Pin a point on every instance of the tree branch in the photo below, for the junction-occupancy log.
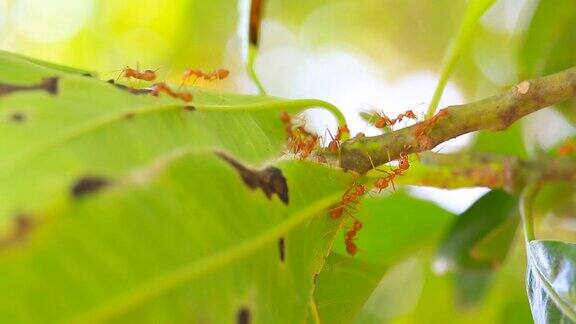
(494, 113)
(484, 170)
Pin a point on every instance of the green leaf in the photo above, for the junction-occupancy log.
(547, 46)
(394, 228)
(481, 237)
(475, 10)
(343, 287)
(510, 141)
(548, 43)
(41, 64)
(551, 280)
(88, 125)
(471, 287)
(134, 208)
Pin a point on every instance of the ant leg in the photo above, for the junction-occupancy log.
(324, 135)
(119, 76)
(375, 168)
(185, 80)
(392, 182)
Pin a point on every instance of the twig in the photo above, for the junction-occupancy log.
(494, 113)
(485, 170)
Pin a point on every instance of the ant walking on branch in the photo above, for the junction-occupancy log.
(384, 121)
(334, 145)
(383, 182)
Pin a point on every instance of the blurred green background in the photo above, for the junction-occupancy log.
(358, 54)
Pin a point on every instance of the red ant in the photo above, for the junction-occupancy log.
(403, 164)
(407, 114)
(163, 87)
(351, 247)
(422, 128)
(287, 121)
(384, 182)
(186, 96)
(189, 73)
(567, 148)
(334, 145)
(300, 141)
(348, 198)
(309, 145)
(147, 75)
(384, 121)
(297, 138)
(219, 74)
(286, 118)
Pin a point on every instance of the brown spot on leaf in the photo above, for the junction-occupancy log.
(88, 75)
(87, 185)
(20, 230)
(49, 85)
(17, 117)
(129, 89)
(189, 108)
(243, 316)
(270, 180)
(129, 115)
(282, 249)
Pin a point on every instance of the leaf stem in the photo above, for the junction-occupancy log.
(459, 170)
(252, 53)
(288, 105)
(526, 208)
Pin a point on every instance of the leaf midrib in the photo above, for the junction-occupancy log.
(559, 301)
(159, 285)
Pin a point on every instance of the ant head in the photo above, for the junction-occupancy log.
(285, 117)
(410, 114)
(404, 163)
